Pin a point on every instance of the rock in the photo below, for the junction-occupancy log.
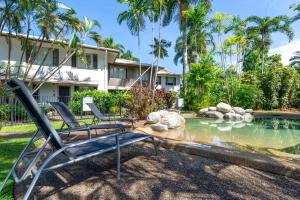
(214, 114)
(224, 128)
(212, 108)
(172, 120)
(163, 112)
(248, 117)
(239, 125)
(153, 118)
(203, 111)
(234, 117)
(239, 110)
(249, 111)
(224, 108)
(159, 127)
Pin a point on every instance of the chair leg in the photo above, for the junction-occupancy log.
(155, 146)
(118, 158)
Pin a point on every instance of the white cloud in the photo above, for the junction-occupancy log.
(286, 51)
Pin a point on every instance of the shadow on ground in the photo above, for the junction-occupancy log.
(170, 175)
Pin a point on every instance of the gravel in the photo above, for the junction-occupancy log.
(170, 175)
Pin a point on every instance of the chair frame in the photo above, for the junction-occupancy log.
(52, 139)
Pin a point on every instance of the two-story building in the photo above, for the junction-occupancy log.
(124, 73)
(103, 70)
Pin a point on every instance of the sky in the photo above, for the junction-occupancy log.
(106, 12)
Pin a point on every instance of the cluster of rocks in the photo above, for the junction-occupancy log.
(163, 120)
(226, 111)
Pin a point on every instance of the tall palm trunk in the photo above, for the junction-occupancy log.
(153, 56)
(182, 7)
(263, 54)
(159, 40)
(140, 58)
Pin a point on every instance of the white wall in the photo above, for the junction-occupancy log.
(173, 88)
(95, 77)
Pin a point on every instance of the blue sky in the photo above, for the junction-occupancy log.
(106, 12)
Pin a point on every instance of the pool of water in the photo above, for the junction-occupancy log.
(270, 136)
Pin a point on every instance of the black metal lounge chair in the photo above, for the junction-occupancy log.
(98, 116)
(73, 125)
(53, 146)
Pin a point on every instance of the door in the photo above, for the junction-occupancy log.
(64, 94)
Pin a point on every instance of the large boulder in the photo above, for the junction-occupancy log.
(172, 120)
(248, 117)
(249, 111)
(239, 110)
(212, 108)
(203, 111)
(214, 114)
(153, 118)
(159, 127)
(224, 108)
(234, 117)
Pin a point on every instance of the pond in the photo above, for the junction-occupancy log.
(275, 137)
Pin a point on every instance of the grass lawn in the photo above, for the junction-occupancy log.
(30, 128)
(9, 151)
(11, 148)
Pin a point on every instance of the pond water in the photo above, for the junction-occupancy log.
(269, 136)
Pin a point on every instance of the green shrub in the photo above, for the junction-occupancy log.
(106, 102)
(103, 100)
(245, 96)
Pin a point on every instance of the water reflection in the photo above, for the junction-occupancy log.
(269, 135)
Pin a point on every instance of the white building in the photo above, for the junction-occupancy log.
(103, 72)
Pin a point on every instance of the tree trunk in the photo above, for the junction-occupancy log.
(140, 57)
(159, 40)
(152, 65)
(182, 7)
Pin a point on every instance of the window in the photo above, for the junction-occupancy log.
(91, 62)
(41, 55)
(55, 57)
(118, 72)
(74, 61)
(146, 76)
(95, 61)
(170, 80)
(158, 82)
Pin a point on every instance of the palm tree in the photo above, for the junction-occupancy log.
(218, 23)
(197, 24)
(135, 21)
(239, 29)
(129, 56)
(295, 60)
(177, 8)
(264, 27)
(162, 45)
(295, 7)
(110, 43)
(159, 50)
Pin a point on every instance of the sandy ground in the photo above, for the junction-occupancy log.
(170, 175)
